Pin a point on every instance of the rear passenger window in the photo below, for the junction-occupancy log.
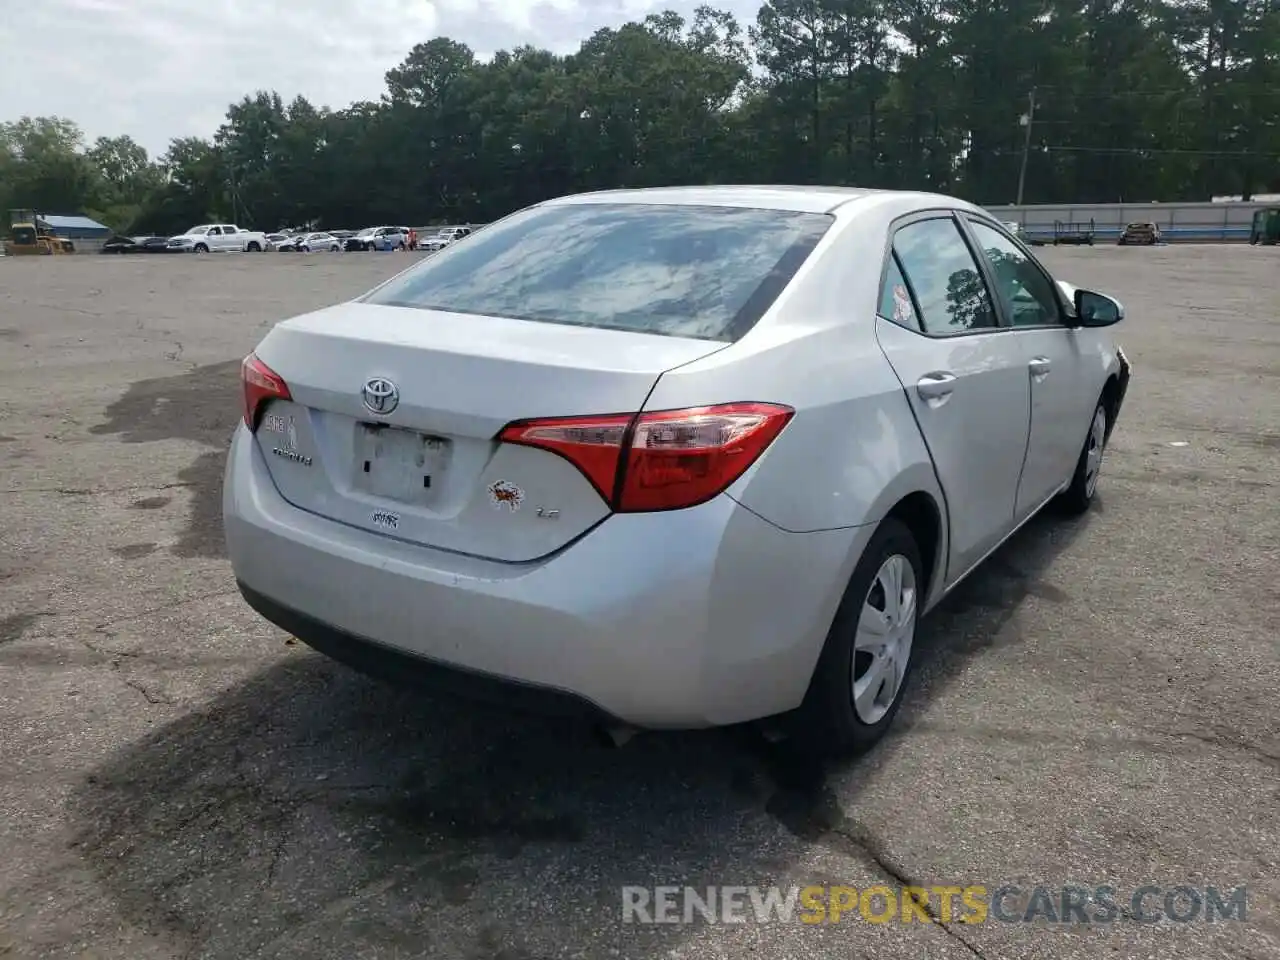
(895, 298)
(949, 289)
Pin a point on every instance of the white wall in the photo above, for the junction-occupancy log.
(1177, 221)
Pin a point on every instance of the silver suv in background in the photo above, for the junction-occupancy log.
(378, 238)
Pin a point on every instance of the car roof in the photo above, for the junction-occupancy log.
(799, 199)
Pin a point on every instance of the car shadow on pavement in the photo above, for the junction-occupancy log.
(312, 812)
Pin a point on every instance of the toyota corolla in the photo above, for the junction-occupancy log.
(675, 458)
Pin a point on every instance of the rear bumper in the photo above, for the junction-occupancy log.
(399, 667)
(691, 618)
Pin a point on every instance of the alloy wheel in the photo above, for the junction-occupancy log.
(882, 644)
(1093, 452)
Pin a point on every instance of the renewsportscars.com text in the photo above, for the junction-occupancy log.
(959, 904)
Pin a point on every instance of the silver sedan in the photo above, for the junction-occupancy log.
(672, 458)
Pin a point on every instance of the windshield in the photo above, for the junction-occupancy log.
(367, 232)
(195, 231)
(685, 271)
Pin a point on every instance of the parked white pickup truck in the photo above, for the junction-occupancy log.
(215, 237)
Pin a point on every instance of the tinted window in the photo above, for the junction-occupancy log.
(895, 298)
(1027, 294)
(949, 289)
(687, 271)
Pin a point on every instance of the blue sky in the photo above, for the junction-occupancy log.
(158, 69)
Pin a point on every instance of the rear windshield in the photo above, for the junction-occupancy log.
(682, 271)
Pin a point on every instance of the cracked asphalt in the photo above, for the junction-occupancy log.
(1097, 705)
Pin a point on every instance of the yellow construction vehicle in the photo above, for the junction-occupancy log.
(31, 235)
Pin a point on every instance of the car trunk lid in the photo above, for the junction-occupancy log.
(415, 455)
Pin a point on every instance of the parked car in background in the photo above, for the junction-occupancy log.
(219, 237)
(379, 238)
(119, 245)
(309, 242)
(443, 238)
(1134, 234)
(275, 239)
(836, 402)
(362, 240)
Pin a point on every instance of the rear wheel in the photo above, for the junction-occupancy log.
(1084, 482)
(858, 684)
(254, 247)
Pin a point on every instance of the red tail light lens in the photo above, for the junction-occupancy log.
(260, 384)
(664, 460)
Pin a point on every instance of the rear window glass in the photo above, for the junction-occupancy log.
(682, 271)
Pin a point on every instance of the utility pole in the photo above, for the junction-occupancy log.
(1026, 120)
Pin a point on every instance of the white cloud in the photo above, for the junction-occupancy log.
(159, 69)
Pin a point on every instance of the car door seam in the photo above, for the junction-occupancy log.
(924, 439)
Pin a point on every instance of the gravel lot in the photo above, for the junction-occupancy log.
(1096, 705)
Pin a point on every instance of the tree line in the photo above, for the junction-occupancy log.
(1063, 100)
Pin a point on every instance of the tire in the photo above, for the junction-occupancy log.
(302, 249)
(1077, 498)
(200, 248)
(253, 247)
(335, 248)
(830, 722)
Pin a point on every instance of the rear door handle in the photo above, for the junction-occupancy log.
(1040, 367)
(936, 386)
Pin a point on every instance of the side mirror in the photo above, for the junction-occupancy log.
(1097, 309)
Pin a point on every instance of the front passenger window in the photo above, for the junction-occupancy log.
(1027, 294)
(949, 289)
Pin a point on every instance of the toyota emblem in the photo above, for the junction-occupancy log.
(380, 395)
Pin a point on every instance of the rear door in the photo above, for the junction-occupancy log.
(964, 376)
(1057, 359)
(230, 239)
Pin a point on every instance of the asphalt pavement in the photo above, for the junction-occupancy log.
(1096, 706)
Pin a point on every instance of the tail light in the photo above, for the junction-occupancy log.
(260, 384)
(663, 460)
